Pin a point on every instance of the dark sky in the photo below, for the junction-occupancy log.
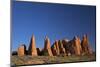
(57, 21)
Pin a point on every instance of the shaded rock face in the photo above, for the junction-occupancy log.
(72, 47)
(32, 48)
(55, 48)
(68, 47)
(14, 53)
(65, 45)
(61, 48)
(86, 49)
(47, 47)
(21, 50)
(38, 51)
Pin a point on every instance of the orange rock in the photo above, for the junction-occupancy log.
(61, 48)
(65, 45)
(85, 45)
(73, 47)
(69, 47)
(55, 48)
(21, 50)
(77, 46)
(47, 47)
(32, 48)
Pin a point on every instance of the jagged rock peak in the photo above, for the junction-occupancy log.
(47, 43)
(47, 47)
(32, 47)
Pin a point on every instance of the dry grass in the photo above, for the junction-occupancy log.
(26, 60)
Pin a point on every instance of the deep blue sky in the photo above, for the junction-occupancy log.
(57, 21)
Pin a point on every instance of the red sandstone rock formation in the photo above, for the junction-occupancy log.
(85, 45)
(61, 48)
(69, 47)
(55, 48)
(47, 47)
(77, 46)
(21, 50)
(65, 45)
(32, 48)
(73, 47)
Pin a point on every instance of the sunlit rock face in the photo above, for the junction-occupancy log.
(59, 47)
(77, 45)
(32, 47)
(47, 47)
(86, 49)
(62, 47)
(21, 50)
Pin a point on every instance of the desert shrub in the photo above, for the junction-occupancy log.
(45, 53)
